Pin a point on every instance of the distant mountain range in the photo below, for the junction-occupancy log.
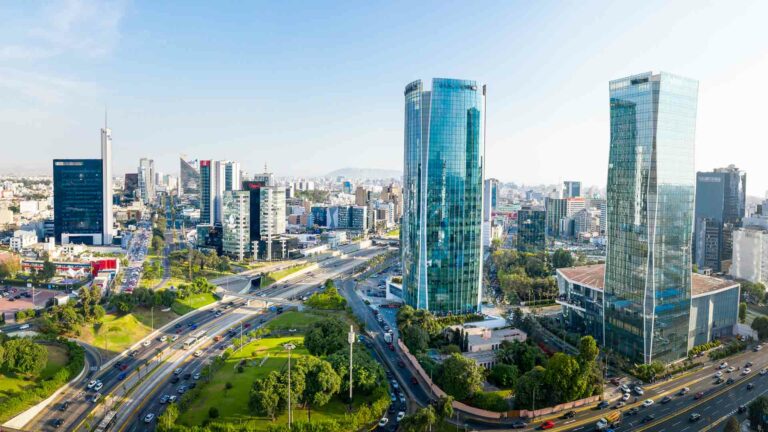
(365, 173)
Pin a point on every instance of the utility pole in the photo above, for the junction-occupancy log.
(351, 340)
(152, 311)
(289, 347)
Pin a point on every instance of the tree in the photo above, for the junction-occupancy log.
(166, 422)
(227, 387)
(732, 425)
(421, 421)
(321, 383)
(23, 356)
(9, 266)
(529, 391)
(760, 325)
(588, 350)
(366, 373)
(266, 394)
(416, 339)
(562, 258)
(460, 377)
(213, 412)
(758, 410)
(444, 409)
(564, 378)
(504, 375)
(49, 270)
(326, 337)
(742, 312)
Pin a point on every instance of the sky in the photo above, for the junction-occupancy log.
(310, 87)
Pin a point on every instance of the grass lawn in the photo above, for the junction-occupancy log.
(195, 301)
(114, 334)
(233, 404)
(293, 319)
(57, 359)
(273, 277)
(394, 233)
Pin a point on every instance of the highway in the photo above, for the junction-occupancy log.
(148, 393)
(715, 401)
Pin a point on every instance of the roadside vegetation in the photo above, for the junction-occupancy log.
(328, 299)
(272, 277)
(191, 264)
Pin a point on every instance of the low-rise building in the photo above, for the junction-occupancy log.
(713, 313)
(22, 239)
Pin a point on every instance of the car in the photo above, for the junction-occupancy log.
(647, 402)
(123, 367)
(694, 417)
(177, 325)
(698, 395)
(666, 399)
(401, 364)
(146, 343)
(64, 405)
(730, 381)
(750, 386)
(569, 414)
(175, 379)
(383, 422)
(122, 376)
(549, 424)
(748, 364)
(625, 388)
(719, 374)
(603, 405)
(91, 384)
(518, 424)
(649, 418)
(148, 418)
(625, 397)
(414, 380)
(683, 391)
(198, 353)
(619, 404)
(57, 422)
(177, 371)
(164, 398)
(639, 390)
(391, 409)
(763, 371)
(730, 369)
(746, 371)
(723, 365)
(98, 386)
(196, 376)
(174, 338)
(393, 398)
(719, 381)
(172, 398)
(96, 397)
(192, 385)
(757, 348)
(181, 390)
(633, 410)
(400, 416)
(402, 398)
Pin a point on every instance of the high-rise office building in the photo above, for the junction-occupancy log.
(720, 207)
(213, 183)
(236, 224)
(147, 180)
(106, 172)
(443, 195)
(130, 185)
(650, 204)
(189, 176)
(571, 189)
(231, 176)
(206, 188)
(531, 230)
(78, 201)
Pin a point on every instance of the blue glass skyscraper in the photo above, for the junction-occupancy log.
(650, 203)
(443, 195)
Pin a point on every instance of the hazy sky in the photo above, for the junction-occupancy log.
(309, 87)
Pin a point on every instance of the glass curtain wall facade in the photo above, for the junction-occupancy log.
(531, 230)
(443, 195)
(190, 177)
(206, 188)
(77, 199)
(650, 200)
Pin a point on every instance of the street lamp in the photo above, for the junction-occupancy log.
(289, 347)
(351, 340)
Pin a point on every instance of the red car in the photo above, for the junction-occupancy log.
(698, 395)
(123, 367)
(413, 380)
(549, 424)
(401, 364)
(391, 347)
(246, 325)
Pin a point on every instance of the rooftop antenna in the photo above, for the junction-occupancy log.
(265, 167)
(105, 117)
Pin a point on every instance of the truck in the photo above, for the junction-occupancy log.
(388, 337)
(612, 419)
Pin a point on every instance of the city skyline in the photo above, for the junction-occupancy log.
(59, 106)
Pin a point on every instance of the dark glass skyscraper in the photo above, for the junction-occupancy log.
(650, 203)
(189, 176)
(720, 206)
(531, 230)
(78, 197)
(443, 194)
(206, 184)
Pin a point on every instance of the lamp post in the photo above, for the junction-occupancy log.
(289, 347)
(351, 340)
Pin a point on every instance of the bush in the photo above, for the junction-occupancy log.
(489, 401)
(213, 413)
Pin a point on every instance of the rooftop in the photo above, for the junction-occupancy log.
(593, 276)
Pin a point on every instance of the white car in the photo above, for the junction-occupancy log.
(723, 365)
(163, 338)
(91, 384)
(639, 390)
(731, 369)
(647, 402)
(148, 418)
(146, 343)
(400, 416)
(383, 422)
(96, 397)
(763, 371)
(198, 353)
(625, 397)
(746, 371)
(98, 386)
(175, 338)
(719, 374)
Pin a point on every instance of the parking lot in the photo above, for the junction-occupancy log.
(13, 299)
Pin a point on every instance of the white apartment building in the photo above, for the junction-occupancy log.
(750, 254)
(23, 239)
